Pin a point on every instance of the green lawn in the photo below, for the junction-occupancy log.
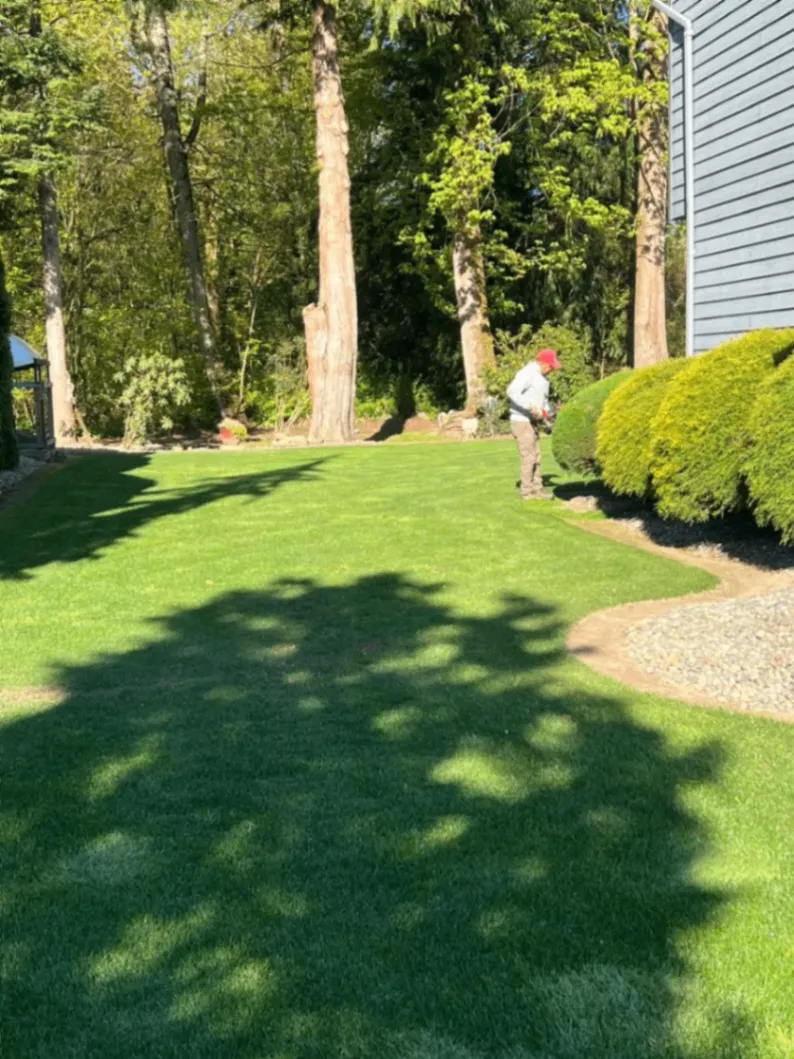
(321, 781)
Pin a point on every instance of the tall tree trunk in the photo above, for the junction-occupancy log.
(176, 154)
(62, 389)
(332, 324)
(650, 324)
(9, 449)
(475, 332)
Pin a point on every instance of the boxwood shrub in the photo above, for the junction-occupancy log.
(770, 462)
(701, 434)
(623, 448)
(574, 438)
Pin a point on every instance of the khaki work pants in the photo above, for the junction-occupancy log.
(527, 438)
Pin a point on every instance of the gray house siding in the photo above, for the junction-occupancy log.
(743, 163)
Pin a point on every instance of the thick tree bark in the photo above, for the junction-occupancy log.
(332, 324)
(475, 332)
(650, 323)
(176, 154)
(9, 449)
(64, 419)
(62, 390)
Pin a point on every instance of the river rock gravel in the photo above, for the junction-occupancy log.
(739, 651)
(10, 479)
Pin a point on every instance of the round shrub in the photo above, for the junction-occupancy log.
(623, 447)
(701, 436)
(770, 463)
(574, 438)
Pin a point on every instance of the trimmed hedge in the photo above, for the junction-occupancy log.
(770, 463)
(574, 438)
(9, 450)
(623, 447)
(701, 436)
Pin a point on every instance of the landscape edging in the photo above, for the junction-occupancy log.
(599, 640)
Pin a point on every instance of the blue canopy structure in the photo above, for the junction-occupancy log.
(37, 391)
(23, 355)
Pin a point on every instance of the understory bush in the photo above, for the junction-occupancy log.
(701, 433)
(770, 463)
(402, 396)
(154, 387)
(574, 437)
(513, 351)
(623, 448)
(273, 386)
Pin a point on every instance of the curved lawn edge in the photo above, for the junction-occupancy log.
(599, 640)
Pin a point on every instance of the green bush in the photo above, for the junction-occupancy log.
(623, 448)
(276, 393)
(514, 351)
(770, 463)
(700, 435)
(154, 385)
(574, 438)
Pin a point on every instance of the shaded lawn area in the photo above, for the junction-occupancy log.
(321, 781)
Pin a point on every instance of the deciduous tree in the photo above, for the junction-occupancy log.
(151, 34)
(648, 37)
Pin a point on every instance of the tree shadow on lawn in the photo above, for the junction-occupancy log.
(390, 428)
(96, 501)
(346, 821)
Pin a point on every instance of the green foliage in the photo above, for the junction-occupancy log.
(459, 176)
(675, 290)
(769, 466)
(374, 398)
(9, 450)
(272, 383)
(701, 435)
(574, 437)
(381, 398)
(450, 129)
(154, 387)
(24, 410)
(44, 104)
(623, 448)
(425, 403)
(513, 351)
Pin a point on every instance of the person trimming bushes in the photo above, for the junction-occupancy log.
(528, 395)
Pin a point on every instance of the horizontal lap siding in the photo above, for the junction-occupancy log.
(744, 163)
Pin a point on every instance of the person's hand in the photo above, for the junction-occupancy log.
(535, 414)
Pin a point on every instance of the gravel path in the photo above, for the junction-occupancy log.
(10, 479)
(738, 650)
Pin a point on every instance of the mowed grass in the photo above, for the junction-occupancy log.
(318, 779)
